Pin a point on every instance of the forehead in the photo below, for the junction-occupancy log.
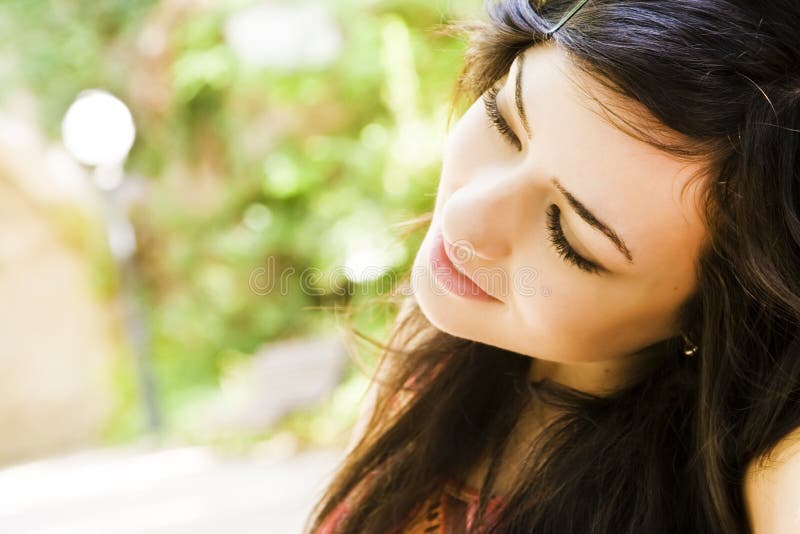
(631, 185)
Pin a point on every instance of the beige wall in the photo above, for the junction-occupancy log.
(55, 335)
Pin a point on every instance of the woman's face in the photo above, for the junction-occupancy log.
(498, 205)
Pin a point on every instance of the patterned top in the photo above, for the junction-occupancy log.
(451, 510)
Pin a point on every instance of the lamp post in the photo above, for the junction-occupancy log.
(98, 130)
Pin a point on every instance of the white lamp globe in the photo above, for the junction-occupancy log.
(98, 129)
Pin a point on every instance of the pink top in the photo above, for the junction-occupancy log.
(451, 510)
(448, 511)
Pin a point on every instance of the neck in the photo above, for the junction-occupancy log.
(600, 377)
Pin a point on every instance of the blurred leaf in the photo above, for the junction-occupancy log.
(302, 170)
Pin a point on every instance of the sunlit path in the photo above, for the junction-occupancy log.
(189, 490)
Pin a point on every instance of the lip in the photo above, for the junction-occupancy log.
(450, 277)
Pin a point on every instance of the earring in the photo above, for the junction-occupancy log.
(689, 348)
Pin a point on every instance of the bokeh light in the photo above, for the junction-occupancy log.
(98, 129)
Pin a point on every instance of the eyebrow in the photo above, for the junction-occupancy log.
(518, 95)
(582, 211)
(592, 220)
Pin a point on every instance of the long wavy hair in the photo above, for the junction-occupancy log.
(669, 452)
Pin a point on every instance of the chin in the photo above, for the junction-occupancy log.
(433, 306)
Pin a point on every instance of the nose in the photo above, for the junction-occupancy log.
(486, 215)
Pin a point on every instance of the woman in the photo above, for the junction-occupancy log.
(603, 330)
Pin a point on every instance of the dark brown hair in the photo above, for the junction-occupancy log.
(668, 453)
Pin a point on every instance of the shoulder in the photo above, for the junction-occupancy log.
(772, 488)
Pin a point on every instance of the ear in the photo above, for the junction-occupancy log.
(772, 489)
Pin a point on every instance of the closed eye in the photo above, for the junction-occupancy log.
(497, 120)
(562, 246)
(556, 233)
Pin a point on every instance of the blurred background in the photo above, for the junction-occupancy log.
(188, 189)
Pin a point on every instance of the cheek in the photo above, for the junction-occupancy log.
(597, 322)
(570, 316)
(563, 316)
(557, 308)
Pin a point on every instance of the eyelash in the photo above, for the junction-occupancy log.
(556, 234)
(499, 123)
(562, 246)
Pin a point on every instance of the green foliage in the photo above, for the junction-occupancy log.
(246, 166)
